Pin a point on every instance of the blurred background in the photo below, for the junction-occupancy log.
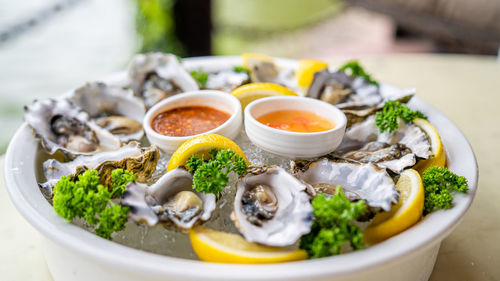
(48, 47)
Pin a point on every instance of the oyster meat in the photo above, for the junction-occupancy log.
(113, 108)
(131, 157)
(62, 126)
(156, 76)
(171, 200)
(343, 90)
(358, 180)
(265, 70)
(395, 151)
(354, 95)
(394, 157)
(272, 207)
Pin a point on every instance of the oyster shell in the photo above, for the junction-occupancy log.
(395, 151)
(113, 108)
(226, 80)
(394, 157)
(170, 199)
(264, 70)
(272, 207)
(358, 180)
(62, 126)
(131, 157)
(356, 97)
(156, 76)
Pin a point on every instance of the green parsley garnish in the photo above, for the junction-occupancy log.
(87, 198)
(438, 183)
(356, 70)
(211, 176)
(387, 118)
(200, 76)
(332, 226)
(120, 178)
(240, 68)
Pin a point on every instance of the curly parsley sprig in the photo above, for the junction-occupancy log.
(386, 119)
(241, 69)
(200, 76)
(438, 183)
(87, 198)
(356, 70)
(332, 226)
(211, 176)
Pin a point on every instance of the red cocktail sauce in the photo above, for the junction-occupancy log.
(188, 121)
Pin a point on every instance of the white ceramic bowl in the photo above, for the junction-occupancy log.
(72, 253)
(215, 99)
(293, 144)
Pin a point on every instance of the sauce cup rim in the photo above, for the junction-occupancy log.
(339, 124)
(155, 110)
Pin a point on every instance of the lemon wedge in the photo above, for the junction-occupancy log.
(305, 72)
(439, 156)
(201, 145)
(253, 91)
(215, 246)
(406, 213)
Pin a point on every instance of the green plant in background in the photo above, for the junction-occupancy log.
(258, 25)
(155, 27)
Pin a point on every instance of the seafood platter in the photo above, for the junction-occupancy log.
(240, 168)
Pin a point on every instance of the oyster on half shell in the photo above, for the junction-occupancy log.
(156, 76)
(354, 95)
(171, 200)
(358, 180)
(265, 70)
(394, 157)
(395, 151)
(272, 207)
(113, 108)
(131, 157)
(62, 126)
(226, 80)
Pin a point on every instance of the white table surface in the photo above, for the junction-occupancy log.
(465, 88)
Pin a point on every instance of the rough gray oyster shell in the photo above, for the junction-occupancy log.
(395, 151)
(156, 76)
(272, 207)
(354, 95)
(131, 157)
(113, 108)
(262, 70)
(171, 200)
(62, 126)
(358, 180)
(226, 80)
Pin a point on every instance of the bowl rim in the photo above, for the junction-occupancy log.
(340, 124)
(157, 109)
(19, 162)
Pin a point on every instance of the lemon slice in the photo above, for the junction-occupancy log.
(305, 72)
(221, 247)
(253, 91)
(439, 156)
(406, 213)
(201, 145)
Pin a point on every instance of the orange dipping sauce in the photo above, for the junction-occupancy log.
(188, 121)
(300, 121)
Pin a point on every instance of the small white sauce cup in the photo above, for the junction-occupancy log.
(215, 99)
(294, 144)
